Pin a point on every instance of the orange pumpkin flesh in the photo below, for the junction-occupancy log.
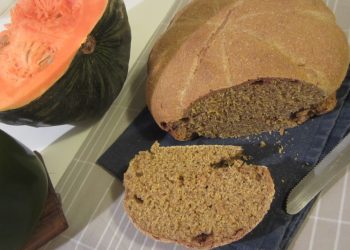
(38, 46)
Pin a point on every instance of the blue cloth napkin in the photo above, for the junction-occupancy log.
(289, 157)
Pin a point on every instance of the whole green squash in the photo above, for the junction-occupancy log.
(92, 81)
(23, 192)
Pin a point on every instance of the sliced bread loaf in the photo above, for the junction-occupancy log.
(198, 196)
(229, 68)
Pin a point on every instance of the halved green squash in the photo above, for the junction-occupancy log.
(62, 61)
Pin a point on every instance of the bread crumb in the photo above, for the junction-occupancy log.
(281, 131)
(296, 157)
(246, 157)
(280, 149)
(263, 144)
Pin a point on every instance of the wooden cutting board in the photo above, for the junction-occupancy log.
(52, 221)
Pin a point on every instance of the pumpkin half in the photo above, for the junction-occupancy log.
(62, 61)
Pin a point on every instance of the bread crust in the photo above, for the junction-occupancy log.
(209, 48)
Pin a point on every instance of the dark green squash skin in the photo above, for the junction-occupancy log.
(23, 192)
(91, 83)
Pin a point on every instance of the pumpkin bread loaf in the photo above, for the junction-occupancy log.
(229, 68)
(198, 196)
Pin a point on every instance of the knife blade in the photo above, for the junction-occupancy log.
(324, 173)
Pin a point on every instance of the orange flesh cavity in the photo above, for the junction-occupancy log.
(38, 46)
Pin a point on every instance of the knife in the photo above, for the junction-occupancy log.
(324, 173)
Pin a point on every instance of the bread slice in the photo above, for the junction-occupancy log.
(229, 68)
(198, 196)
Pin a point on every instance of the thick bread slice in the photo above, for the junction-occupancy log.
(198, 196)
(222, 48)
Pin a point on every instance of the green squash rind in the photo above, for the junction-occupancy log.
(23, 192)
(92, 82)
